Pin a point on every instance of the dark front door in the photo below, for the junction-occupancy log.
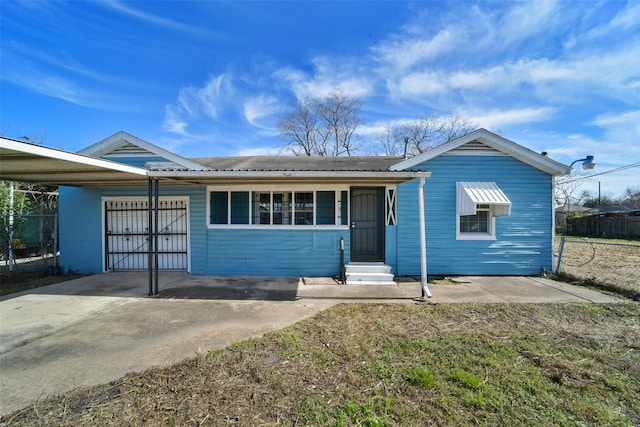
(367, 224)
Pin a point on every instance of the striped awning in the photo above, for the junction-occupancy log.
(472, 194)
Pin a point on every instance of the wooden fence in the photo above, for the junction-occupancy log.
(610, 227)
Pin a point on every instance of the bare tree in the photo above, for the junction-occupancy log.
(299, 126)
(428, 131)
(631, 197)
(340, 114)
(388, 141)
(424, 132)
(321, 126)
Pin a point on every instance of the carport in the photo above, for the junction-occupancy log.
(27, 162)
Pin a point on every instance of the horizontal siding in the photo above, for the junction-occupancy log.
(80, 229)
(81, 224)
(274, 252)
(197, 214)
(391, 247)
(523, 244)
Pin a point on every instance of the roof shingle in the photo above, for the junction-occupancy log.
(299, 163)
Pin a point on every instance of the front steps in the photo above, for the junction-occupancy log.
(369, 273)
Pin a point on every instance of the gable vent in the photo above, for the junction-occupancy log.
(474, 148)
(129, 149)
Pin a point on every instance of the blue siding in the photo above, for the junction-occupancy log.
(81, 224)
(391, 247)
(80, 229)
(524, 240)
(274, 252)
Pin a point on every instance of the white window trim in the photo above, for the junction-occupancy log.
(277, 189)
(489, 235)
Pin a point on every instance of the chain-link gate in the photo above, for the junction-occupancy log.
(127, 234)
(28, 242)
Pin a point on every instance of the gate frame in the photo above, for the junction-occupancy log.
(104, 199)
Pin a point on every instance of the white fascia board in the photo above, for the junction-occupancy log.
(492, 140)
(119, 139)
(55, 154)
(408, 175)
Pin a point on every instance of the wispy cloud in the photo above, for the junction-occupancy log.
(627, 118)
(496, 119)
(256, 108)
(618, 130)
(57, 85)
(173, 122)
(151, 18)
(194, 103)
(401, 54)
(327, 75)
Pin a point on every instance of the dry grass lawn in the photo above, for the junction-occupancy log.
(390, 365)
(609, 264)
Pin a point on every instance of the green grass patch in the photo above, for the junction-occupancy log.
(391, 365)
(421, 376)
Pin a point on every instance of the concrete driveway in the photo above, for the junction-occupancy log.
(95, 329)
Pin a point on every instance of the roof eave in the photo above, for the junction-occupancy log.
(492, 140)
(213, 177)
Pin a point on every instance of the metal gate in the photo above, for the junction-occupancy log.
(127, 235)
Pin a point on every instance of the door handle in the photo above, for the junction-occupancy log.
(353, 224)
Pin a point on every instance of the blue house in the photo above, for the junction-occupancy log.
(486, 203)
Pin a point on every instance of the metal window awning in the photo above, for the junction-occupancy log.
(472, 194)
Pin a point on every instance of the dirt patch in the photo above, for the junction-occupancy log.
(496, 364)
(17, 282)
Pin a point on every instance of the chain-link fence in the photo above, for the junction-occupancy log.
(28, 243)
(609, 264)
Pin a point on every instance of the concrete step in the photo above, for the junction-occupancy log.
(368, 274)
(370, 279)
(368, 268)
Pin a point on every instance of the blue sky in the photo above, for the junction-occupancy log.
(209, 78)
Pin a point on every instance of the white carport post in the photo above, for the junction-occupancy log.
(423, 241)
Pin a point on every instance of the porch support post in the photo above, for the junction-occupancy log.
(150, 236)
(423, 241)
(155, 232)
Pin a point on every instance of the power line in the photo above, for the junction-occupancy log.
(621, 168)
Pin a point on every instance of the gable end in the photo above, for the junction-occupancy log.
(128, 150)
(123, 145)
(482, 137)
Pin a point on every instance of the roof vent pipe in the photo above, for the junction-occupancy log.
(406, 144)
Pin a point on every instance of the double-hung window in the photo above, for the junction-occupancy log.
(480, 222)
(278, 208)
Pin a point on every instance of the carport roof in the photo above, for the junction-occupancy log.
(21, 161)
